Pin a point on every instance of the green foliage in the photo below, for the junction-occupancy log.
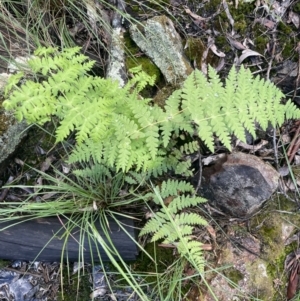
(172, 224)
(116, 128)
(232, 108)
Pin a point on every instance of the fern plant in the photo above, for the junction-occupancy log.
(172, 224)
(116, 128)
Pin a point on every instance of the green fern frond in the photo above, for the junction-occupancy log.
(172, 188)
(12, 82)
(46, 51)
(190, 147)
(123, 154)
(87, 151)
(189, 219)
(193, 251)
(94, 173)
(139, 178)
(140, 79)
(290, 110)
(182, 202)
(176, 227)
(133, 133)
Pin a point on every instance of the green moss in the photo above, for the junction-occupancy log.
(222, 43)
(287, 49)
(284, 29)
(239, 15)
(269, 225)
(261, 43)
(135, 58)
(286, 41)
(135, 8)
(4, 263)
(209, 8)
(194, 50)
(163, 258)
(234, 276)
(77, 287)
(270, 232)
(296, 7)
(260, 38)
(4, 119)
(241, 26)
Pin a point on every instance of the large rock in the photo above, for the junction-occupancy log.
(238, 184)
(11, 134)
(15, 46)
(11, 131)
(159, 40)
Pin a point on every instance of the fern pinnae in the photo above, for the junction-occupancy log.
(183, 201)
(173, 187)
(124, 151)
(152, 141)
(189, 147)
(290, 111)
(190, 219)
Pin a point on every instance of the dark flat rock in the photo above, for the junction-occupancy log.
(238, 184)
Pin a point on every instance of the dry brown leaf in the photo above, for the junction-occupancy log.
(228, 14)
(292, 265)
(266, 22)
(193, 15)
(246, 53)
(221, 64)
(206, 247)
(214, 49)
(168, 200)
(236, 44)
(47, 163)
(211, 231)
(294, 18)
(293, 282)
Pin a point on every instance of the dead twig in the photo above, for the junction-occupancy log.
(297, 81)
(294, 145)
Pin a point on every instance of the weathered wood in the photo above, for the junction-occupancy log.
(41, 239)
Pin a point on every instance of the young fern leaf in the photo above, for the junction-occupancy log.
(176, 227)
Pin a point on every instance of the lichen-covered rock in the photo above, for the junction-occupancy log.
(256, 262)
(246, 274)
(160, 41)
(238, 184)
(11, 134)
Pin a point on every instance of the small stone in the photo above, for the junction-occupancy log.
(238, 184)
